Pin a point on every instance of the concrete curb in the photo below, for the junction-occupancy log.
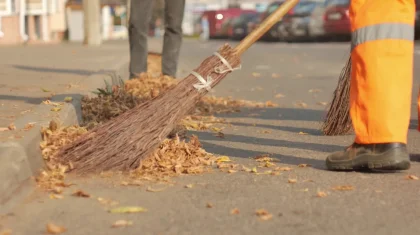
(21, 160)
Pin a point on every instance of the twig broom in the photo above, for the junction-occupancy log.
(338, 120)
(121, 143)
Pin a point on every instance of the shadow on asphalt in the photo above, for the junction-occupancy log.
(55, 70)
(270, 142)
(242, 153)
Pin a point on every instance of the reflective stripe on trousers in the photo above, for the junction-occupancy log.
(382, 64)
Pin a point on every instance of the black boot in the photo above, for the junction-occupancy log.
(390, 156)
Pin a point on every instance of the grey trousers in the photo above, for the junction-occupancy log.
(140, 16)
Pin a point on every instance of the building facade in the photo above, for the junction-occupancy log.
(32, 21)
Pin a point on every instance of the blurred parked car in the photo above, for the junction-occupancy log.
(337, 20)
(316, 24)
(272, 33)
(241, 26)
(295, 25)
(219, 20)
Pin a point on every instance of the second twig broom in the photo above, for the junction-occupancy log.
(121, 143)
(338, 120)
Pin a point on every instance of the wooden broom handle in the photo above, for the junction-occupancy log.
(265, 26)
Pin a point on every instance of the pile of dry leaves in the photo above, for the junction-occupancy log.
(175, 157)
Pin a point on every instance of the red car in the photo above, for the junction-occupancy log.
(219, 20)
(336, 19)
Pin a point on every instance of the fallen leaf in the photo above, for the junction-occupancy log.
(4, 129)
(68, 99)
(303, 165)
(6, 232)
(321, 194)
(263, 214)
(275, 173)
(80, 193)
(292, 181)
(314, 91)
(322, 103)
(256, 75)
(55, 229)
(122, 223)
(303, 133)
(283, 169)
(232, 171)
(275, 75)
(343, 188)
(209, 205)
(189, 186)
(128, 209)
(12, 127)
(305, 190)
(270, 104)
(223, 159)
(412, 177)
(279, 95)
(220, 135)
(124, 183)
(244, 168)
(234, 211)
(29, 126)
(45, 90)
(150, 189)
(56, 196)
(215, 129)
(56, 109)
(254, 169)
(301, 104)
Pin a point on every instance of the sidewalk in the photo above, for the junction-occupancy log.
(29, 74)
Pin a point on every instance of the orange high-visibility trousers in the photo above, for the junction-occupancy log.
(382, 69)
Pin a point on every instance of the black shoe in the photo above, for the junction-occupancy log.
(390, 156)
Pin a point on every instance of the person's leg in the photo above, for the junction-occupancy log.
(140, 15)
(172, 39)
(381, 83)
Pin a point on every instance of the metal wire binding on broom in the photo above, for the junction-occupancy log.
(207, 83)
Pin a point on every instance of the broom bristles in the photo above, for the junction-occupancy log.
(121, 143)
(338, 120)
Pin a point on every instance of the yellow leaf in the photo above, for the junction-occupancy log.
(234, 211)
(122, 223)
(223, 159)
(128, 209)
(68, 99)
(275, 75)
(263, 214)
(150, 189)
(215, 129)
(189, 185)
(55, 229)
(12, 127)
(254, 169)
(56, 196)
(209, 205)
(279, 95)
(344, 188)
(232, 171)
(256, 75)
(292, 181)
(412, 177)
(305, 190)
(321, 194)
(302, 133)
(45, 90)
(322, 103)
(56, 109)
(6, 232)
(284, 169)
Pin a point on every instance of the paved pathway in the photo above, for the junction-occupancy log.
(379, 203)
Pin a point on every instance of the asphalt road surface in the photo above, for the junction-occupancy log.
(378, 204)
